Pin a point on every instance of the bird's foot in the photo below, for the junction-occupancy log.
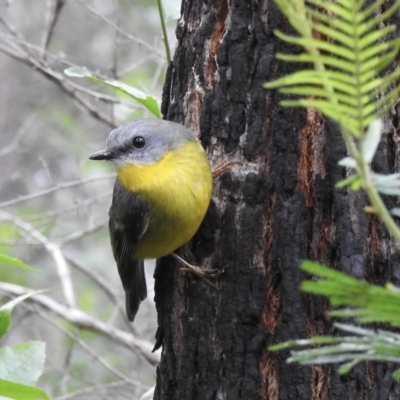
(223, 167)
(204, 274)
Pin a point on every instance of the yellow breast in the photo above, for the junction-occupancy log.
(178, 189)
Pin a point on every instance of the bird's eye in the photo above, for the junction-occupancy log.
(138, 142)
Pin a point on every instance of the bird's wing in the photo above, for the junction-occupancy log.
(129, 218)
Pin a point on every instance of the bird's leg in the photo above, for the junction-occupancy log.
(206, 274)
(203, 274)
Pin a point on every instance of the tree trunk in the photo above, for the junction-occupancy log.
(276, 208)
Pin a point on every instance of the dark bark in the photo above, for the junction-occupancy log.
(278, 207)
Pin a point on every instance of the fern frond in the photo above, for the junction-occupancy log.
(345, 42)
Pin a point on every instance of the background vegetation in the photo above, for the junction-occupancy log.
(54, 202)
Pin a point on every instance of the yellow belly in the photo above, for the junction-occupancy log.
(178, 189)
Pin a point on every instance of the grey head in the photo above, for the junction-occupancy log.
(144, 141)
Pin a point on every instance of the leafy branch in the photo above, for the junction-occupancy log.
(345, 43)
(16, 381)
(369, 303)
(350, 49)
(149, 102)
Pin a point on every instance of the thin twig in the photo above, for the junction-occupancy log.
(164, 31)
(43, 54)
(13, 144)
(10, 28)
(88, 349)
(54, 10)
(60, 80)
(97, 95)
(121, 31)
(65, 368)
(95, 277)
(85, 321)
(104, 285)
(56, 241)
(8, 242)
(56, 188)
(133, 66)
(82, 233)
(90, 389)
(65, 210)
(56, 254)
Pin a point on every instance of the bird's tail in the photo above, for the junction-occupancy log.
(137, 290)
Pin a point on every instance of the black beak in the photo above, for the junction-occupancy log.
(101, 155)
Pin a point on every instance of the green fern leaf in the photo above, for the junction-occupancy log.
(346, 43)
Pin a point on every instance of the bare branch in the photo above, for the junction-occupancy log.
(97, 278)
(56, 254)
(21, 131)
(45, 55)
(133, 66)
(9, 242)
(9, 27)
(104, 285)
(82, 233)
(85, 321)
(53, 12)
(65, 210)
(91, 389)
(121, 31)
(59, 80)
(16, 38)
(56, 241)
(55, 188)
(88, 349)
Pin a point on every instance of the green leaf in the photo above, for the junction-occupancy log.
(324, 59)
(387, 184)
(396, 374)
(319, 92)
(347, 181)
(343, 38)
(356, 185)
(370, 303)
(147, 101)
(5, 320)
(15, 262)
(346, 368)
(348, 162)
(362, 345)
(172, 8)
(348, 53)
(374, 36)
(18, 391)
(334, 22)
(324, 272)
(330, 48)
(383, 16)
(337, 9)
(6, 309)
(371, 141)
(348, 56)
(23, 363)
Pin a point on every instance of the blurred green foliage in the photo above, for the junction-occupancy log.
(50, 125)
(346, 84)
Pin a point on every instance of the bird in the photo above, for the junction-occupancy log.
(161, 195)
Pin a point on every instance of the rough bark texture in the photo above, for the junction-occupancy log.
(278, 207)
